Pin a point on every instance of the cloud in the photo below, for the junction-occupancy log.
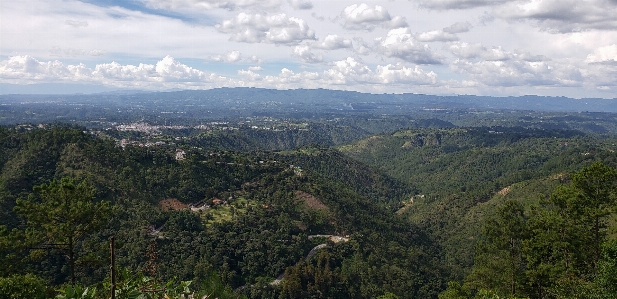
(400, 43)
(397, 74)
(352, 71)
(26, 69)
(458, 4)
(76, 24)
(70, 52)
(255, 59)
(231, 56)
(97, 52)
(468, 51)
(255, 68)
(360, 46)
(289, 79)
(333, 42)
(300, 4)
(497, 67)
(477, 50)
(249, 75)
(458, 27)
(397, 22)
(304, 53)
(320, 18)
(517, 70)
(364, 17)
(263, 28)
(607, 55)
(199, 5)
(501, 73)
(110, 72)
(347, 70)
(436, 36)
(447, 34)
(563, 16)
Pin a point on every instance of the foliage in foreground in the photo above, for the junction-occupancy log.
(558, 249)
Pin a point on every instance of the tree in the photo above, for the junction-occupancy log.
(499, 263)
(61, 214)
(24, 286)
(597, 185)
(566, 232)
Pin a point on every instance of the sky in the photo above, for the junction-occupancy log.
(481, 47)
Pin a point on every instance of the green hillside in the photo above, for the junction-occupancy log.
(262, 210)
(459, 172)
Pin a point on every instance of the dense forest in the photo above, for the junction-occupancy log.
(321, 211)
(263, 215)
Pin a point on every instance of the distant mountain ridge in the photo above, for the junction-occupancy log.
(335, 100)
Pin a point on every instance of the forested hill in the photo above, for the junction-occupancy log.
(253, 215)
(434, 211)
(465, 175)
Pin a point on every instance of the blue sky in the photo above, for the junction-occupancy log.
(482, 47)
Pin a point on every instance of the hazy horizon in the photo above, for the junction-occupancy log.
(439, 47)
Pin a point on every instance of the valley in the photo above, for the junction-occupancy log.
(233, 189)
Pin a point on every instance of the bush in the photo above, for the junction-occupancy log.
(23, 287)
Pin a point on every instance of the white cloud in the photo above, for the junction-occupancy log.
(333, 42)
(183, 5)
(400, 43)
(289, 79)
(258, 28)
(477, 50)
(76, 24)
(607, 54)
(365, 17)
(348, 70)
(304, 52)
(360, 46)
(69, 52)
(562, 16)
(255, 59)
(115, 72)
(300, 4)
(397, 74)
(110, 29)
(231, 56)
(352, 71)
(447, 34)
(436, 36)
(26, 69)
(169, 69)
(249, 75)
(349, 73)
(458, 4)
(466, 50)
(318, 17)
(397, 22)
(515, 72)
(458, 27)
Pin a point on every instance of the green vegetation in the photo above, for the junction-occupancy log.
(557, 249)
(462, 175)
(266, 208)
(431, 211)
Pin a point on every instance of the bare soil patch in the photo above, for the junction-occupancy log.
(311, 201)
(172, 204)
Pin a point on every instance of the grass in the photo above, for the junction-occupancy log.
(224, 213)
